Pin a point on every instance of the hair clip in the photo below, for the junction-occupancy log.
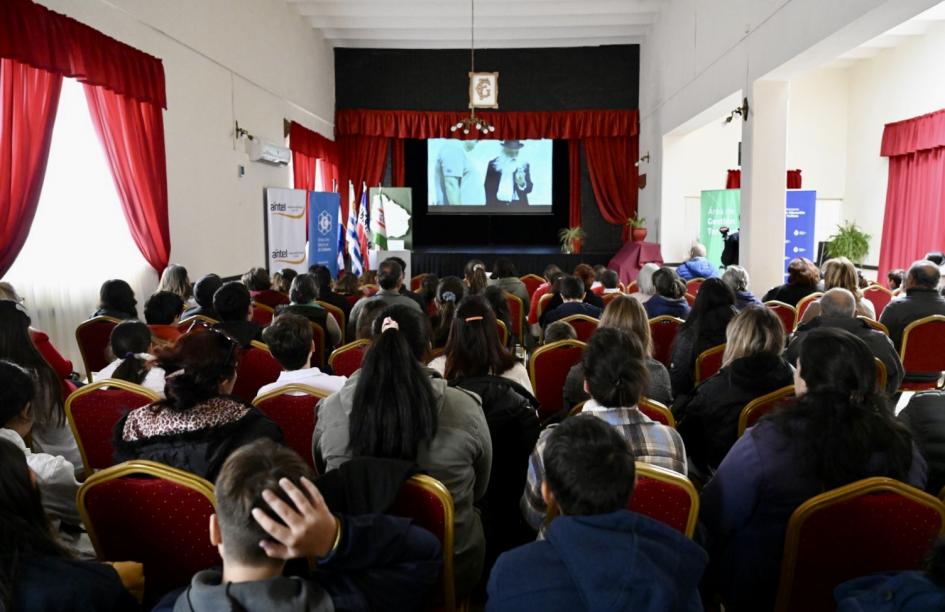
(448, 296)
(389, 323)
(471, 319)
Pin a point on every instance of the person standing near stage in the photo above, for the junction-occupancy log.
(457, 180)
(508, 179)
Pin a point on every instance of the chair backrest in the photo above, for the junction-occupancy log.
(694, 285)
(370, 290)
(577, 408)
(922, 343)
(257, 367)
(543, 303)
(665, 496)
(548, 367)
(262, 314)
(94, 410)
(709, 362)
(532, 282)
(318, 337)
(607, 298)
(880, 297)
(584, 325)
(882, 377)
(337, 314)
(690, 299)
(416, 282)
(761, 406)
(656, 411)
(294, 409)
(425, 500)
(502, 331)
(153, 514)
(195, 322)
(663, 331)
(871, 526)
(804, 303)
(874, 324)
(346, 360)
(786, 313)
(516, 316)
(93, 337)
(633, 287)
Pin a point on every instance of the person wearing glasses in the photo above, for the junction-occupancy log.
(200, 423)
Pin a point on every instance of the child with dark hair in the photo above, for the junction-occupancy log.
(204, 289)
(162, 313)
(322, 276)
(234, 305)
(558, 331)
(589, 480)
(131, 344)
(290, 341)
(573, 300)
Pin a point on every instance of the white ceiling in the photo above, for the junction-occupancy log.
(908, 30)
(444, 24)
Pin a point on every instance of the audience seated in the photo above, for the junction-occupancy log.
(560, 330)
(162, 314)
(737, 278)
(704, 328)
(838, 310)
(573, 301)
(924, 415)
(203, 296)
(921, 300)
(895, 279)
(366, 319)
(609, 282)
(840, 272)
(405, 288)
(916, 591)
(51, 433)
(697, 266)
(616, 374)
(803, 277)
(475, 277)
(645, 288)
(131, 342)
(596, 555)
(289, 339)
(500, 306)
(55, 476)
(505, 277)
(751, 367)
(552, 272)
(304, 302)
(669, 298)
(260, 288)
(837, 432)
(348, 286)
(428, 293)
(322, 276)
(175, 280)
(282, 280)
(449, 293)
(53, 357)
(234, 307)
(588, 276)
(390, 278)
(117, 300)
(268, 512)
(395, 408)
(626, 314)
(36, 571)
(199, 424)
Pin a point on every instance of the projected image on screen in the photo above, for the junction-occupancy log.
(489, 176)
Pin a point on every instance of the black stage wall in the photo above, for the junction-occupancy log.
(529, 80)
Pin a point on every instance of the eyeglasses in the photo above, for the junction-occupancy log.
(234, 343)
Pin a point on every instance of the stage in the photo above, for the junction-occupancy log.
(446, 261)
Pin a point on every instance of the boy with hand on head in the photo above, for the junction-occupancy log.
(268, 511)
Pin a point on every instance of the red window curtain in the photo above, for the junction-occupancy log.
(132, 135)
(610, 164)
(574, 178)
(397, 171)
(29, 98)
(914, 223)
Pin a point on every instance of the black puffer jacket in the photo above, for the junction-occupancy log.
(925, 418)
(692, 341)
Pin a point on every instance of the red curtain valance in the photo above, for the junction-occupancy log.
(916, 134)
(733, 179)
(305, 141)
(39, 37)
(559, 125)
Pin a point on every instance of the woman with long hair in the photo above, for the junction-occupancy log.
(116, 299)
(840, 272)
(42, 342)
(396, 408)
(131, 346)
(175, 280)
(802, 280)
(449, 293)
(475, 276)
(704, 328)
(838, 431)
(282, 280)
(752, 366)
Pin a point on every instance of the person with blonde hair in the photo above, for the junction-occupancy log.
(627, 314)
(840, 272)
(175, 280)
(752, 366)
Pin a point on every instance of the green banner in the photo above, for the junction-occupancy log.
(720, 208)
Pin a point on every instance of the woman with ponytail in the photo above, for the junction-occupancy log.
(131, 345)
(475, 276)
(449, 293)
(394, 407)
(199, 423)
(838, 431)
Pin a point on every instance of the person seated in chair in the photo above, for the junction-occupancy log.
(132, 343)
(326, 294)
(204, 289)
(558, 331)
(921, 300)
(669, 297)
(304, 296)
(268, 512)
(596, 555)
(390, 277)
(289, 339)
(572, 296)
(162, 314)
(697, 266)
(116, 299)
(259, 283)
(609, 282)
(234, 305)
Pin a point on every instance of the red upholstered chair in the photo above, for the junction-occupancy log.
(871, 526)
(353, 299)
(874, 324)
(337, 314)
(881, 375)
(271, 298)
(263, 314)
(416, 282)
(633, 287)
(693, 286)
(346, 360)
(786, 313)
(194, 323)
(577, 408)
(94, 410)
(430, 505)
(921, 351)
(153, 514)
(548, 367)
(656, 411)
(804, 303)
(532, 282)
(543, 303)
(516, 316)
(663, 330)
(665, 496)
(880, 296)
(369, 290)
(584, 325)
(502, 331)
(318, 337)
(690, 299)
(607, 298)
(761, 406)
(708, 363)
(257, 367)
(293, 408)
(93, 337)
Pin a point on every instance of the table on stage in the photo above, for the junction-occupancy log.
(629, 259)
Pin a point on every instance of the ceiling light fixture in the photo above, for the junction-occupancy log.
(482, 87)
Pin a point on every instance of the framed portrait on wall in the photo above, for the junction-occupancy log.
(483, 90)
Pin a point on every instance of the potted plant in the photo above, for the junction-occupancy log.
(849, 241)
(570, 237)
(637, 228)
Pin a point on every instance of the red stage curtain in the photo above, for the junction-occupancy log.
(610, 164)
(574, 178)
(362, 161)
(29, 98)
(303, 171)
(132, 135)
(733, 180)
(397, 172)
(914, 223)
(35, 35)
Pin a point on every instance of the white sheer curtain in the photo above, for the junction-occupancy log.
(79, 237)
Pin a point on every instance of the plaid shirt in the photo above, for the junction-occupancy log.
(651, 442)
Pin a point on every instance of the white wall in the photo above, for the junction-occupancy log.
(255, 61)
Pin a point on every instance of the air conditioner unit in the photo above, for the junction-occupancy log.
(268, 153)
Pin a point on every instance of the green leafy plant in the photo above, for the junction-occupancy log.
(850, 242)
(568, 236)
(636, 221)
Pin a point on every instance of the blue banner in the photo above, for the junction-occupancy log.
(324, 218)
(800, 211)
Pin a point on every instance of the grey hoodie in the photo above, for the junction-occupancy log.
(280, 594)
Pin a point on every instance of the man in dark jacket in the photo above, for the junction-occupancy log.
(924, 415)
(596, 555)
(838, 309)
(921, 300)
(572, 295)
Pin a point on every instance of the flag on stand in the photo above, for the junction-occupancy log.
(364, 223)
(378, 226)
(341, 238)
(354, 245)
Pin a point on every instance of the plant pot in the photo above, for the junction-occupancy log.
(638, 234)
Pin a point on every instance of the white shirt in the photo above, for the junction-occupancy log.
(56, 479)
(153, 380)
(313, 377)
(517, 373)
